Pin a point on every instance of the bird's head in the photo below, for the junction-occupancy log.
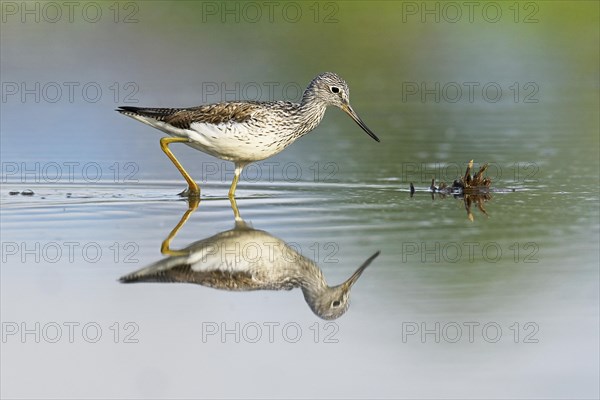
(332, 302)
(331, 90)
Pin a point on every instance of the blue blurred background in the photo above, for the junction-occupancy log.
(514, 84)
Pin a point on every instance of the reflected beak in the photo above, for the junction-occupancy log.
(352, 280)
(348, 110)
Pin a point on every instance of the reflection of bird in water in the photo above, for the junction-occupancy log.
(244, 259)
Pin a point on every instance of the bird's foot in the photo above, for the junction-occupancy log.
(187, 193)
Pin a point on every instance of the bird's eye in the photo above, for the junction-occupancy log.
(336, 303)
(335, 89)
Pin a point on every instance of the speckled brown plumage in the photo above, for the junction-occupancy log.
(218, 113)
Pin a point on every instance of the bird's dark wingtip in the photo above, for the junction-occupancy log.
(126, 109)
(127, 279)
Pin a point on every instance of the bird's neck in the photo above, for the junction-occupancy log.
(311, 111)
(313, 285)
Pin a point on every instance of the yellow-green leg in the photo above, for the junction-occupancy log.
(193, 189)
(236, 212)
(236, 178)
(165, 248)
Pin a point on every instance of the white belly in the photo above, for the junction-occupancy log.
(230, 141)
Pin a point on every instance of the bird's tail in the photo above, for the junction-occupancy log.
(160, 271)
(155, 113)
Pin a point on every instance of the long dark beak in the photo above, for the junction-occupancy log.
(348, 284)
(348, 110)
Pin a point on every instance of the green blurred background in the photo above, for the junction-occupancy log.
(404, 63)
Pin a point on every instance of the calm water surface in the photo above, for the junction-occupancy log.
(501, 304)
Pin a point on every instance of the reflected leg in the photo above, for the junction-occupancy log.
(236, 212)
(193, 189)
(165, 247)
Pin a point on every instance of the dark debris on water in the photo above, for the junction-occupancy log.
(467, 184)
(473, 189)
(26, 192)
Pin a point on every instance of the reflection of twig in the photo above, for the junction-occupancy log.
(478, 199)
